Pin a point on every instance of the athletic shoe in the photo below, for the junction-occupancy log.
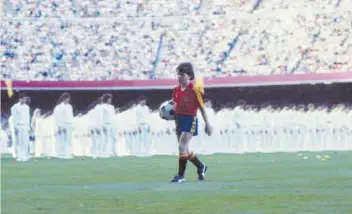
(178, 179)
(201, 173)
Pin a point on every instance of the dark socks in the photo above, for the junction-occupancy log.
(195, 160)
(182, 163)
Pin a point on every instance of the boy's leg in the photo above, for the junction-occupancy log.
(201, 167)
(182, 163)
(182, 159)
(185, 131)
(185, 151)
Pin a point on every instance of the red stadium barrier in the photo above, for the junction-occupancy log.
(220, 82)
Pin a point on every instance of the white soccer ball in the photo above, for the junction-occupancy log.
(167, 110)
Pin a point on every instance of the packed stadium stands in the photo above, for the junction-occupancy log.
(101, 40)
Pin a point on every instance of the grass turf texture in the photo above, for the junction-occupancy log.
(251, 183)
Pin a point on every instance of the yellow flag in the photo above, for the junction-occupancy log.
(9, 87)
(199, 83)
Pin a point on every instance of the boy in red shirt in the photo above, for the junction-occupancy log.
(188, 100)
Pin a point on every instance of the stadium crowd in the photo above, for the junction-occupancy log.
(106, 39)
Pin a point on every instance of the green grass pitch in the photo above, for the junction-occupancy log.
(251, 183)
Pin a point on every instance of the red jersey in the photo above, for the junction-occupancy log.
(187, 101)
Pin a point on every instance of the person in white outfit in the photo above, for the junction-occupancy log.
(237, 126)
(46, 131)
(206, 143)
(142, 113)
(95, 116)
(38, 132)
(12, 136)
(4, 140)
(21, 123)
(12, 126)
(98, 114)
(63, 117)
(109, 134)
(34, 131)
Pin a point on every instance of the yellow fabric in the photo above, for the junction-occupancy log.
(9, 87)
(199, 90)
(199, 83)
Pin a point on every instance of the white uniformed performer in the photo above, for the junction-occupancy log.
(38, 132)
(21, 123)
(265, 124)
(98, 114)
(322, 113)
(144, 143)
(77, 148)
(311, 124)
(13, 148)
(131, 145)
(121, 125)
(47, 134)
(118, 129)
(345, 128)
(63, 117)
(12, 126)
(34, 122)
(109, 131)
(83, 133)
(238, 121)
(225, 126)
(95, 115)
(271, 128)
(349, 129)
(303, 131)
(4, 140)
(203, 142)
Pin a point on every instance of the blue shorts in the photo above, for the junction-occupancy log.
(186, 123)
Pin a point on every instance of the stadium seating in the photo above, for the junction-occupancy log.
(106, 39)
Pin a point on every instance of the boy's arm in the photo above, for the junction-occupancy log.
(204, 115)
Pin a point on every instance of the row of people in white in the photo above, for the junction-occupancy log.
(93, 133)
(99, 122)
(244, 129)
(97, 133)
(102, 132)
(24, 130)
(238, 130)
